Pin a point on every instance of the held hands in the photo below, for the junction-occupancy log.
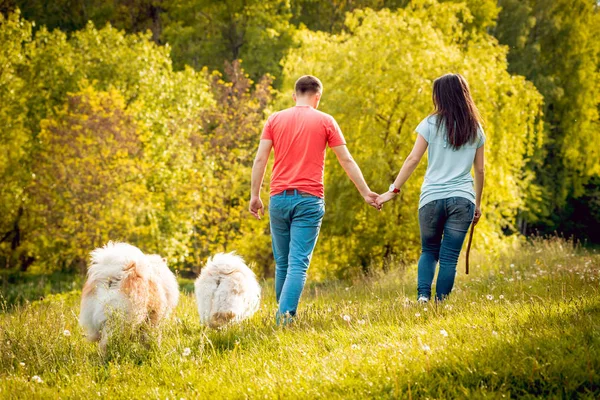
(371, 199)
(256, 207)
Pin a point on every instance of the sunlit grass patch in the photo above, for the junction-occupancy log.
(521, 324)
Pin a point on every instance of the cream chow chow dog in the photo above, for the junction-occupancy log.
(123, 279)
(226, 291)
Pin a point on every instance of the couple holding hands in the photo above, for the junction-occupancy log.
(448, 204)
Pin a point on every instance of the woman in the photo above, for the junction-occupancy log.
(448, 203)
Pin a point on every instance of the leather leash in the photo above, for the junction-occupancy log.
(469, 247)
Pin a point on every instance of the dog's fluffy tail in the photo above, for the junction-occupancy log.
(136, 287)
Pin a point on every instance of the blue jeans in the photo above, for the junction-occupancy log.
(295, 225)
(444, 224)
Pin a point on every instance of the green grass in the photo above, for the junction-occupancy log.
(19, 288)
(524, 323)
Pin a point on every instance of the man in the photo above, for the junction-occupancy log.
(299, 136)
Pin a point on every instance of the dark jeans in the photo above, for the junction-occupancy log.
(444, 224)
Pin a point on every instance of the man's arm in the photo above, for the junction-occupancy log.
(258, 174)
(479, 179)
(355, 174)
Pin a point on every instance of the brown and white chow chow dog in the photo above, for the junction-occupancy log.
(226, 291)
(123, 279)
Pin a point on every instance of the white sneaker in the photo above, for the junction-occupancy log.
(422, 300)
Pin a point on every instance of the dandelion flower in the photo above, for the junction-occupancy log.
(36, 379)
(443, 333)
(490, 297)
(425, 347)
(347, 289)
(417, 315)
(346, 318)
(22, 364)
(66, 333)
(424, 308)
(361, 321)
(354, 347)
(494, 333)
(187, 352)
(501, 297)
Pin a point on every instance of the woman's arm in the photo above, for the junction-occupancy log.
(409, 166)
(479, 166)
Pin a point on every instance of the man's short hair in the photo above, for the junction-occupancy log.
(308, 84)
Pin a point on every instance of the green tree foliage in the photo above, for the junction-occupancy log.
(71, 15)
(330, 16)
(207, 33)
(199, 32)
(481, 15)
(88, 181)
(556, 44)
(380, 93)
(108, 142)
(138, 122)
(15, 137)
(48, 67)
(228, 144)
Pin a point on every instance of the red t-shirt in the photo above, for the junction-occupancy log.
(300, 136)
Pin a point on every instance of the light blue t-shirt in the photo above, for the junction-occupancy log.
(448, 170)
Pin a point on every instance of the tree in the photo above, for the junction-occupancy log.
(88, 182)
(380, 93)
(207, 33)
(329, 16)
(133, 16)
(556, 44)
(15, 137)
(163, 104)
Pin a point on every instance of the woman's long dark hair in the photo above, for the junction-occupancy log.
(455, 109)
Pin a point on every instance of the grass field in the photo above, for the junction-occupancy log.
(524, 324)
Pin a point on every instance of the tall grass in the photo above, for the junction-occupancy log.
(524, 323)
